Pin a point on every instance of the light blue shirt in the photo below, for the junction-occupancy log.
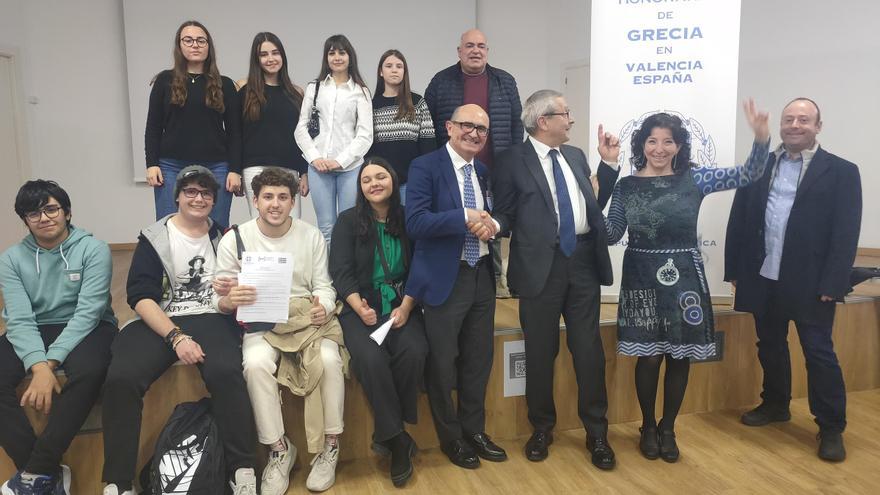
(779, 202)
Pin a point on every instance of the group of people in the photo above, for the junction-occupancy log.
(413, 243)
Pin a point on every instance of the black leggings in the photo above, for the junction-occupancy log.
(674, 386)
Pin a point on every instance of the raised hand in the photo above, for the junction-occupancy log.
(758, 120)
(609, 146)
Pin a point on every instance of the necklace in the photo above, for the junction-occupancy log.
(193, 77)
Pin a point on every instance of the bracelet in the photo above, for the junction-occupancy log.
(170, 336)
(181, 339)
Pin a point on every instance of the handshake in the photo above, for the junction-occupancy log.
(481, 224)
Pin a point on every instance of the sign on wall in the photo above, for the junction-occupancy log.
(679, 57)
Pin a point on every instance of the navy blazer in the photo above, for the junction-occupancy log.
(435, 221)
(820, 243)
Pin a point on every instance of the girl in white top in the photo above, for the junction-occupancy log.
(345, 116)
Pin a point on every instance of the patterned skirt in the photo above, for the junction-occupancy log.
(664, 305)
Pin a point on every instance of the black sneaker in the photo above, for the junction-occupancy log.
(403, 448)
(831, 446)
(764, 414)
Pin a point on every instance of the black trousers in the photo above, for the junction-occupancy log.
(460, 345)
(390, 374)
(85, 367)
(826, 392)
(572, 291)
(140, 357)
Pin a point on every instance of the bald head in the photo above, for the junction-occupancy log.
(468, 130)
(473, 51)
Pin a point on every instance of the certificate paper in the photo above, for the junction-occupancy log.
(271, 274)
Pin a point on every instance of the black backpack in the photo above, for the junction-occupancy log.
(188, 459)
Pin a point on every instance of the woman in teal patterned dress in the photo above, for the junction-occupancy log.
(664, 310)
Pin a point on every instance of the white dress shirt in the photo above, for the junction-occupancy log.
(345, 113)
(458, 164)
(578, 203)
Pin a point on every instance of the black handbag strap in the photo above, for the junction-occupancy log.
(315, 98)
(385, 268)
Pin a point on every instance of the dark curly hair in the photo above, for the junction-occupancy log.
(395, 224)
(275, 176)
(680, 135)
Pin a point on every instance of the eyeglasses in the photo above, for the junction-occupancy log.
(192, 192)
(51, 211)
(469, 127)
(566, 113)
(201, 41)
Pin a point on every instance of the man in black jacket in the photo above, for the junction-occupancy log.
(791, 242)
(473, 80)
(558, 259)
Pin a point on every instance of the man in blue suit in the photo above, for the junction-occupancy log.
(452, 275)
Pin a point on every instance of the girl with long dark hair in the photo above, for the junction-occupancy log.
(369, 263)
(193, 119)
(344, 119)
(402, 125)
(270, 111)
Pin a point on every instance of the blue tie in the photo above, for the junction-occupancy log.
(567, 238)
(471, 243)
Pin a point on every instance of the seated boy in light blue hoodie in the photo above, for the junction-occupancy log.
(56, 295)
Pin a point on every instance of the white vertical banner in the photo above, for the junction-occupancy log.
(679, 57)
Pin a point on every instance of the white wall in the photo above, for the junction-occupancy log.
(72, 60)
(826, 51)
(73, 63)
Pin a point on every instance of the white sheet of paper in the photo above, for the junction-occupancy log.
(380, 333)
(271, 274)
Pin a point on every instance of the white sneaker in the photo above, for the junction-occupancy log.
(245, 482)
(323, 473)
(112, 489)
(65, 478)
(276, 476)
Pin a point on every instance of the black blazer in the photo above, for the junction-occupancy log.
(351, 259)
(524, 206)
(819, 247)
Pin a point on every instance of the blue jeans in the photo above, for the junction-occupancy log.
(826, 392)
(166, 201)
(332, 193)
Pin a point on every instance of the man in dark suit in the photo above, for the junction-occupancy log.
(451, 274)
(791, 242)
(558, 260)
